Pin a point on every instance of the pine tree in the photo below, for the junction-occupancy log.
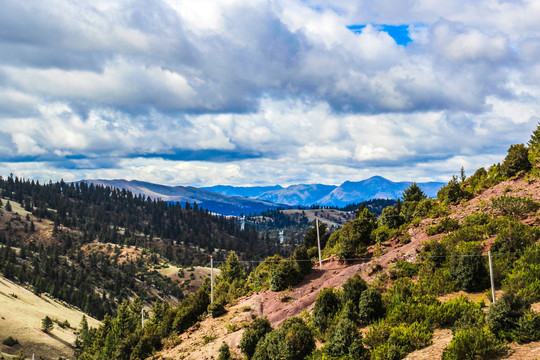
(534, 147)
(8, 206)
(46, 324)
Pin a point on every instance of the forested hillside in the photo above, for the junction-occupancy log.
(389, 285)
(46, 232)
(413, 261)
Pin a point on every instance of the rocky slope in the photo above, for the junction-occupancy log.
(203, 340)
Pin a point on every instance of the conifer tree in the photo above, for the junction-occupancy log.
(534, 147)
(46, 324)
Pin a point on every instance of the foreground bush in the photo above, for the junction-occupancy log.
(291, 341)
(370, 306)
(346, 341)
(253, 334)
(402, 340)
(326, 307)
(503, 316)
(216, 309)
(474, 344)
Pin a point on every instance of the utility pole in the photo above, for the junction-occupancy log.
(211, 279)
(142, 318)
(318, 243)
(491, 276)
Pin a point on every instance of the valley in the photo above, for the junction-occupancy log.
(408, 277)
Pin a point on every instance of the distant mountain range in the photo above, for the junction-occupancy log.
(237, 200)
(349, 192)
(213, 201)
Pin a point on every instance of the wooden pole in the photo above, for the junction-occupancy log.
(318, 243)
(211, 279)
(491, 276)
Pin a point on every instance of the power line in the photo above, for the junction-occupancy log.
(268, 260)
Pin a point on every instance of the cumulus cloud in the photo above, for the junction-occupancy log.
(264, 91)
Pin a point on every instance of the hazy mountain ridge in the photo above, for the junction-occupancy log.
(237, 200)
(245, 191)
(375, 187)
(302, 194)
(213, 201)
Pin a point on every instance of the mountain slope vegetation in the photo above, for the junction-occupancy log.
(387, 284)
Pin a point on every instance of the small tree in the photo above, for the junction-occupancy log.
(310, 238)
(413, 193)
(326, 306)
(8, 206)
(469, 270)
(46, 324)
(352, 290)
(341, 342)
(452, 192)
(534, 147)
(516, 160)
(503, 316)
(293, 340)
(232, 270)
(285, 274)
(224, 352)
(253, 334)
(370, 306)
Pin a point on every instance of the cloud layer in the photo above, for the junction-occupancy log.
(264, 91)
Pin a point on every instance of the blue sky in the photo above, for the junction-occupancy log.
(264, 91)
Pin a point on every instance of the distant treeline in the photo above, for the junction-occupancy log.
(117, 216)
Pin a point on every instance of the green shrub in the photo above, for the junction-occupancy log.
(253, 334)
(452, 193)
(525, 276)
(378, 334)
(224, 352)
(467, 234)
(232, 269)
(391, 218)
(10, 341)
(527, 329)
(513, 206)
(403, 340)
(503, 316)
(293, 340)
(216, 309)
(285, 274)
(326, 307)
(455, 309)
(469, 270)
(445, 225)
(476, 219)
(259, 279)
(340, 344)
(353, 238)
(303, 261)
(403, 269)
(370, 306)
(352, 289)
(474, 344)
(435, 280)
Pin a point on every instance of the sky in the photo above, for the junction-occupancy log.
(260, 92)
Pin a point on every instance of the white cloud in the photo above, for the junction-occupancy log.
(265, 91)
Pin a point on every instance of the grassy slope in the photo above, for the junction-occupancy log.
(21, 312)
